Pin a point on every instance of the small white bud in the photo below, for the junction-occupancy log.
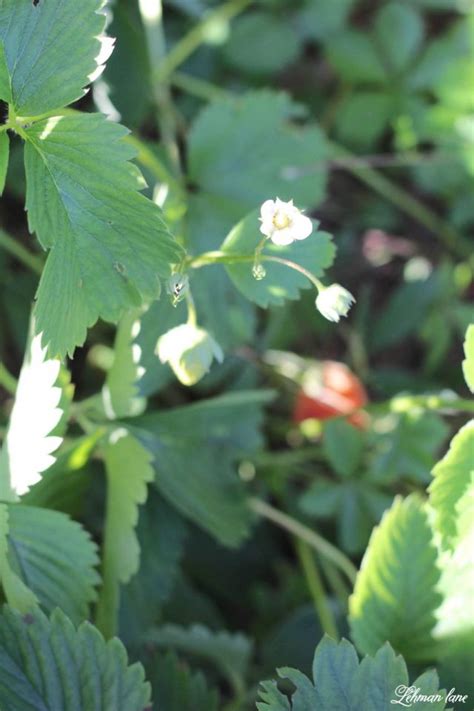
(283, 223)
(334, 301)
(189, 351)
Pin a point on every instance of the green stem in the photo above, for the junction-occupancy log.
(320, 544)
(315, 586)
(406, 202)
(197, 36)
(14, 248)
(200, 88)
(7, 381)
(217, 257)
(192, 313)
(334, 578)
(152, 18)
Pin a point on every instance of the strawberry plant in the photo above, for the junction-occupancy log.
(235, 358)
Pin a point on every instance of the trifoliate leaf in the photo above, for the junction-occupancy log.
(452, 476)
(410, 448)
(342, 682)
(229, 653)
(395, 595)
(176, 688)
(108, 243)
(29, 444)
(245, 149)
(47, 61)
(161, 533)
(48, 665)
(120, 392)
(4, 155)
(315, 254)
(205, 488)
(468, 363)
(54, 557)
(129, 470)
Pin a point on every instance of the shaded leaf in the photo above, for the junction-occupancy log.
(48, 665)
(4, 155)
(176, 688)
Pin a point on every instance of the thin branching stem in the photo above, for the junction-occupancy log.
(315, 586)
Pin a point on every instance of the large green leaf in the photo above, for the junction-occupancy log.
(395, 596)
(468, 363)
(48, 62)
(398, 34)
(341, 683)
(31, 438)
(108, 243)
(48, 665)
(246, 149)
(205, 488)
(455, 619)
(230, 653)
(129, 470)
(452, 476)
(176, 688)
(54, 557)
(315, 254)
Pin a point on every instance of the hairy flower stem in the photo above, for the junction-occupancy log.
(208, 258)
(313, 539)
(315, 586)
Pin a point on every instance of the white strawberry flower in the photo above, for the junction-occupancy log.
(334, 301)
(283, 223)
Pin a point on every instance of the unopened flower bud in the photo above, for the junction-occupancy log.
(177, 287)
(334, 301)
(259, 272)
(189, 351)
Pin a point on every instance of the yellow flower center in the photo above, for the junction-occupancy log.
(281, 220)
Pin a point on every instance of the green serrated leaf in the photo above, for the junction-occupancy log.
(48, 61)
(206, 488)
(245, 149)
(468, 363)
(48, 665)
(120, 392)
(16, 592)
(54, 557)
(5, 86)
(4, 155)
(230, 653)
(454, 615)
(341, 682)
(316, 253)
(176, 688)
(355, 58)
(452, 476)
(395, 596)
(129, 471)
(108, 244)
(31, 437)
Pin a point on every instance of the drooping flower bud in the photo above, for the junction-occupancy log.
(189, 351)
(334, 301)
(283, 223)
